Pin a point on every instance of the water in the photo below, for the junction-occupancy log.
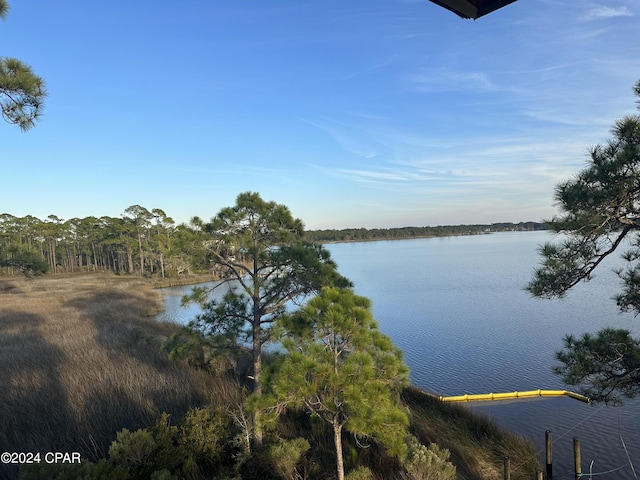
(457, 308)
(173, 309)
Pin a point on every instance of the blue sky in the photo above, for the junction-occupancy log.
(366, 113)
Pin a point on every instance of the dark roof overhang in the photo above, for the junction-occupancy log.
(472, 8)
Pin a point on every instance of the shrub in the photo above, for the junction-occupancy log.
(286, 454)
(360, 473)
(431, 463)
(166, 452)
(132, 449)
(203, 433)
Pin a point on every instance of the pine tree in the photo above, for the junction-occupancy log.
(258, 249)
(22, 92)
(342, 369)
(600, 213)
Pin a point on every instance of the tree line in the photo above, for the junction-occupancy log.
(140, 241)
(364, 234)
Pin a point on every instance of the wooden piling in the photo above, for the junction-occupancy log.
(507, 468)
(539, 475)
(547, 437)
(576, 458)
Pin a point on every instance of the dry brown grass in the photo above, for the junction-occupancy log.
(81, 358)
(477, 445)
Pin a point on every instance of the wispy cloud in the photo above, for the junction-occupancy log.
(448, 79)
(517, 172)
(371, 176)
(600, 11)
(349, 137)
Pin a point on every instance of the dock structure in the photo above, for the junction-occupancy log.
(484, 397)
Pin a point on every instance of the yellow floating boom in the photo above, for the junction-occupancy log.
(480, 397)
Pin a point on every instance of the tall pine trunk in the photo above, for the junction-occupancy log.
(52, 256)
(162, 264)
(337, 435)
(130, 260)
(257, 371)
(141, 254)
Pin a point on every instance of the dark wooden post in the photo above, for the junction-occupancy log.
(576, 458)
(547, 438)
(507, 468)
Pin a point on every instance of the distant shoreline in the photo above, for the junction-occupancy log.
(350, 235)
(392, 239)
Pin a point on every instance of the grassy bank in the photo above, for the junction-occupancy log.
(81, 358)
(477, 445)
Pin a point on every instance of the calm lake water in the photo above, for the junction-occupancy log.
(457, 308)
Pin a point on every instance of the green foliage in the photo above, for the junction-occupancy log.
(430, 463)
(335, 342)
(22, 92)
(359, 473)
(251, 226)
(226, 322)
(168, 454)
(259, 247)
(285, 456)
(606, 365)
(341, 369)
(143, 241)
(25, 259)
(205, 352)
(189, 346)
(132, 449)
(194, 446)
(203, 434)
(312, 266)
(192, 449)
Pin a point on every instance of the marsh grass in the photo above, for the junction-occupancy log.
(81, 358)
(477, 445)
